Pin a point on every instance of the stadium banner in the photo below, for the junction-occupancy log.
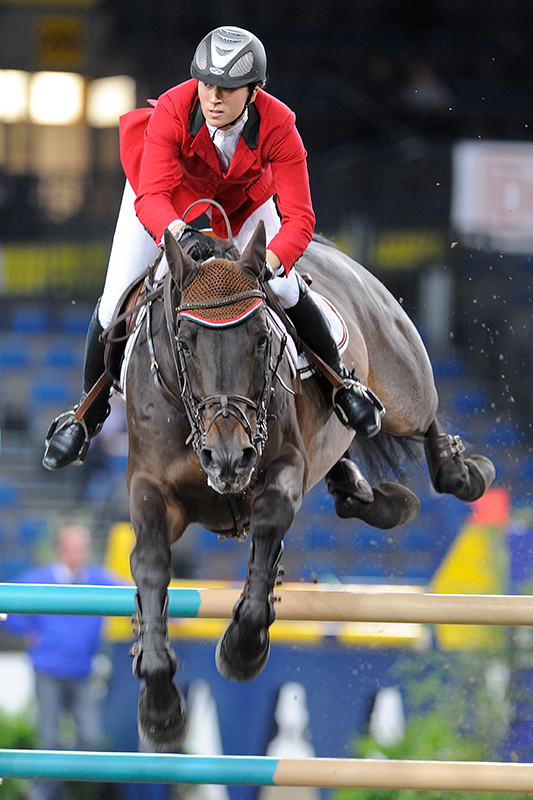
(492, 195)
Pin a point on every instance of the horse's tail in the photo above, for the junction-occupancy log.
(386, 457)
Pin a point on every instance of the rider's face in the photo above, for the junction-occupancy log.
(221, 106)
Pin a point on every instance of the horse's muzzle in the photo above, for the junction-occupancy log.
(228, 469)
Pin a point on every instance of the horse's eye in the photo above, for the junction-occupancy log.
(262, 341)
(184, 346)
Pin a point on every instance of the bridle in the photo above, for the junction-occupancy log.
(235, 405)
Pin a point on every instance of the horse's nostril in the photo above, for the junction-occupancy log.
(207, 461)
(248, 459)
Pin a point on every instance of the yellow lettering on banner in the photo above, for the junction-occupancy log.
(406, 249)
(31, 269)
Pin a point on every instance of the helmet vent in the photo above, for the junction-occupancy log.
(243, 66)
(230, 36)
(201, 55)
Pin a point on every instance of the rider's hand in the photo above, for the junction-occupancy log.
(267, 273)
(176, 227)
(273, 267)
(195, 243)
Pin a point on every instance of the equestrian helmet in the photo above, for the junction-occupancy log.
(230, 57)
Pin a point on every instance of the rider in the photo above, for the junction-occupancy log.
(218, 135)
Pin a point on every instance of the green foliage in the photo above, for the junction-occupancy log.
(17, 732)
(453, 717)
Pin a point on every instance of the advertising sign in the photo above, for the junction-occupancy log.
(492, 195)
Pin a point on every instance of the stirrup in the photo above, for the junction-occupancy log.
(70, 416)
(349, 381)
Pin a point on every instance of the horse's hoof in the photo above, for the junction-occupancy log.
(344, 481)
(162, 730)
(481, 473)
(393, 505)
(236, 668)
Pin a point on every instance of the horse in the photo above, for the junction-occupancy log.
(221, 433)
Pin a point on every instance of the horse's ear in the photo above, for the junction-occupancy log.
(182, 267)
(252, 261)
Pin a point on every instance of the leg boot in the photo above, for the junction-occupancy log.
(355, 405)
(67, 440)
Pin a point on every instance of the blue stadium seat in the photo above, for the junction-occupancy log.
(32, 529)
(10, 496)
(503, 435)
(13, 563)
(14, 354)
(62, 356)
(118, 463)
(30, 319)
(75, 321)
(50, 391)
(471, 400)
(447, 368)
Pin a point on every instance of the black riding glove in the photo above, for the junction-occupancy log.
(196, 244)
(267, 273)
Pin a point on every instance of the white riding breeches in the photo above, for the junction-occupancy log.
(133, 249)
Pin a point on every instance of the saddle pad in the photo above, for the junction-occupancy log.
(299, 361)
(130, 344)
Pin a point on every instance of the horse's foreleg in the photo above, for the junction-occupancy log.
(243, 650)
(466, 478)
(162, 718)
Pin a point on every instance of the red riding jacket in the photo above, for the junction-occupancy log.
(170, 161)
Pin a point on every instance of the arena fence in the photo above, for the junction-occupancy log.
(318, 604)
(266, 771)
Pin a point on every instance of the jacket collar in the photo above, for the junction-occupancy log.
(250, 132)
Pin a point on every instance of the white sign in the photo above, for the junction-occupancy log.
(492, 196)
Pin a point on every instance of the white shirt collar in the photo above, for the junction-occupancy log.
(235, 130)
(226, 141)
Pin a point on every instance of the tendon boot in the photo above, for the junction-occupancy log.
(356, 405)
(67, 440)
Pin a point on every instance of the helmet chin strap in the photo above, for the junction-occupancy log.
(247, 103)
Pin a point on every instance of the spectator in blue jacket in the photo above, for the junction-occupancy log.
(62, 649)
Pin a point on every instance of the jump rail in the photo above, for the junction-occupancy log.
(267, 771)
(318, 605)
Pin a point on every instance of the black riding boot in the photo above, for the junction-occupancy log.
(67, 440)
(354, 404)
